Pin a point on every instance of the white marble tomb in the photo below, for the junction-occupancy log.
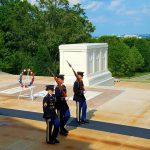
(91, 58)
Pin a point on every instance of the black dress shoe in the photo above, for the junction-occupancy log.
(82, 122)
(86, 121)
(56, 141)
(65, 130)
(51, 142)
(79, 122)
(63, 133)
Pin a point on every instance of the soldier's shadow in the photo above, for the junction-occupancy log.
(72, 124)
(20, 135)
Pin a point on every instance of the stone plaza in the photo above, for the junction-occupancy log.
(119, 118)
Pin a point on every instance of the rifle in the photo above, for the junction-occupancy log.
(59, 85)
(76, 75)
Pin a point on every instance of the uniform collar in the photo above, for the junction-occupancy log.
(61, 84)
(49, 94)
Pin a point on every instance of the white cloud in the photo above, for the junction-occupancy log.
(99, 19)
(136, 12)
(119, 8)
(131, 12)
(146, 10)
(70, 1)
(93, 5)
(115, 4)
(74, 1)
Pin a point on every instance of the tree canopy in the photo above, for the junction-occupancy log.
(30, 35)
(126, 55)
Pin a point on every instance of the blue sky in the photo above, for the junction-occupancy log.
(117, 16)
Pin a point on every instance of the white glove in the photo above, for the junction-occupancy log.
(67, 98)
(48, 120)
(84, 92)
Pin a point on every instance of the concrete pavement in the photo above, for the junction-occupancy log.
(119, 117)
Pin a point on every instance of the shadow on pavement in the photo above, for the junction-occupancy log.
(93, 125)
(17, 134)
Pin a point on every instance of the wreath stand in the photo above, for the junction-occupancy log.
(25, 86)
(27, 95)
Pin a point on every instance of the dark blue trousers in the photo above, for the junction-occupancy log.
(81, 108)
(52, 129)
(64, 116)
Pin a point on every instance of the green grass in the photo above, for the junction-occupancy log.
(137, 74)
(142, 81)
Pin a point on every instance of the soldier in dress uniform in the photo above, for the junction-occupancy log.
(80, 99)
(49, 109)
(62, 106)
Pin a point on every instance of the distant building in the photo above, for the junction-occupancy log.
(139, 36)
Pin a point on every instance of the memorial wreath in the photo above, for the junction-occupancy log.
(28, 72)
